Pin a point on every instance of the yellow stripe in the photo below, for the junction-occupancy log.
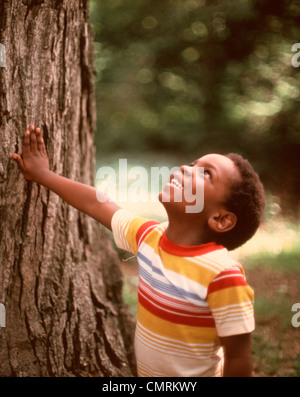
(152, 240)
(177, 346)
(184, 333)
(133, 227)
(184, 266)
(233, 295)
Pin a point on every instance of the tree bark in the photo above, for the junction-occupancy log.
(59, 276)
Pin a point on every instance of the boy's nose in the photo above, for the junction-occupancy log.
(186, 169)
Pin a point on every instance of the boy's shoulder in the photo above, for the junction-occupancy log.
(217, 263)
(222, 259)
(210, 259)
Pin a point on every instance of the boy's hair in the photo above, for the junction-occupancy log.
(246, 200)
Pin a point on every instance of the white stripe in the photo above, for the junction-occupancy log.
(222, 258)
(172, 351)
(205, 263)
(120, 224)
(235, 305)
(232, 319)
(242, 315)
(150, 372)
(237, 274)
(228, 276)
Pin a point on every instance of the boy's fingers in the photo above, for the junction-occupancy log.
(40, 141)
(33, 144)
(43, 147)
(19, 161)
(26, 142)
(39, 138)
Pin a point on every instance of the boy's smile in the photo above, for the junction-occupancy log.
(186, 187)
(177, 181)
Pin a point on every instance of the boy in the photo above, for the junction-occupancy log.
(195, 309)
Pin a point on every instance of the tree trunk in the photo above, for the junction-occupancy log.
(59, 278)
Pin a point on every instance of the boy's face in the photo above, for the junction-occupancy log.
(218, 174)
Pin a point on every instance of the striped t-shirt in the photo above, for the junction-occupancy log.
(188, 297)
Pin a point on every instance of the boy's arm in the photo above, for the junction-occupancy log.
(237, 355)
(34, 165)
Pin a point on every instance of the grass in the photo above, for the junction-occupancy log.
(272, 263)
(288, 261)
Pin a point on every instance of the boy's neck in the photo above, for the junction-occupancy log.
(184, 234)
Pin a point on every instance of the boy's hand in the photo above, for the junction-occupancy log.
(34, 161)
(34, 165)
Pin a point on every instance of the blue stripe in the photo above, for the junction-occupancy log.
(170, 289)
(149, 263)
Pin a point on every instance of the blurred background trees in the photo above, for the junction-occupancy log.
(190, 77)
(176, 79)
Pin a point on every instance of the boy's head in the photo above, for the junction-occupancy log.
(246, 199)
(233, 199)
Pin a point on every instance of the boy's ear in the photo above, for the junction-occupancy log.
(222, 221)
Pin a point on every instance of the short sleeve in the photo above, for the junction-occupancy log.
(129, 230)
(231, 300)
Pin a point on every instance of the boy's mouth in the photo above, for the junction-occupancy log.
(177, 182)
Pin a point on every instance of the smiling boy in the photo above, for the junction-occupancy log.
(195, 308)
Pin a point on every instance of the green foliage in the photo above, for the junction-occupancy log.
(284, 260)
(195, 76)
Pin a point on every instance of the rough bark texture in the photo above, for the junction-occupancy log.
(59, 276)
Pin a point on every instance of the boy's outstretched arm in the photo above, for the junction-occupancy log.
(34, 165)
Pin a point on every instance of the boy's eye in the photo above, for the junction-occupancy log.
(207, 172)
